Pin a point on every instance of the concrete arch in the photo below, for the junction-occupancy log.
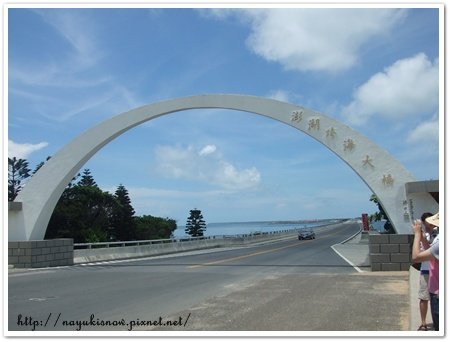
(384, 175)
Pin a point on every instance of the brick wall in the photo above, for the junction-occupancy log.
(390, 252)
(44, 253)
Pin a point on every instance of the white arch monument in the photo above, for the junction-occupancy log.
(384, 175)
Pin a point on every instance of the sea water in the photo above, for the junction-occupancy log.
(239, 228)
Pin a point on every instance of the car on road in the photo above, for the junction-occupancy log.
(306, 234)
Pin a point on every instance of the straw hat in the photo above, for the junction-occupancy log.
(434, 220)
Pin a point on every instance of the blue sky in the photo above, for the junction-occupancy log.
(376, 70)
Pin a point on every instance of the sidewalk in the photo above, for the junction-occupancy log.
(307, 305)
(364, 301)
(356, 252)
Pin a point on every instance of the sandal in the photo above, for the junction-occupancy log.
(423, 328)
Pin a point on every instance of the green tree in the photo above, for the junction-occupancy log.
(18, 172)
(87, 179)
(195, 225)
(123, 223)
(381, 215)
(87, 214)
(83, 213)
(151, 228)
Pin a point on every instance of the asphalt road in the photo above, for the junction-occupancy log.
(133, 292)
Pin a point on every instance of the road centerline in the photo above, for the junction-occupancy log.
(220, 261)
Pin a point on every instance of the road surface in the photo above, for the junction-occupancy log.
(143, 294)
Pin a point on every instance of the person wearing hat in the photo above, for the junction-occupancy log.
(431, 254)
(423, 294)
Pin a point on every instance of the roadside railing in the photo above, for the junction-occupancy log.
(115, 250)
(113, 244)
(131, 243)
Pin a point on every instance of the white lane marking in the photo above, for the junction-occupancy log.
(346, 260)
(343, 257)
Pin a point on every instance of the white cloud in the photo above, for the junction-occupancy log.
(279, 95)
(227, 176)
(314, 39)
(422, 153)
(406, 88)
(22, 151)
(427, 132)
(206, 165)
(208, 149)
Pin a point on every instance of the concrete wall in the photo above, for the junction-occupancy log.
(42, 253)
(390, 252)
(127, 252)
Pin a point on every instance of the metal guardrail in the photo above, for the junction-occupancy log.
(129, 243)
(113, 244)
(115, 250)
(255, 235)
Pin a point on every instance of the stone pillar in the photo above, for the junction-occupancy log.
(390, 252)
(40, 253)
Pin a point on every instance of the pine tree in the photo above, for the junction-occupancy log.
(87, 179)
(123, 223)
(195, 225)
(18, 171)
(84, 212)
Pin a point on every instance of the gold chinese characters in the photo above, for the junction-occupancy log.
(388, 180)
(349, 145)
(314, 124)
(331, 132)
(297, 116)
